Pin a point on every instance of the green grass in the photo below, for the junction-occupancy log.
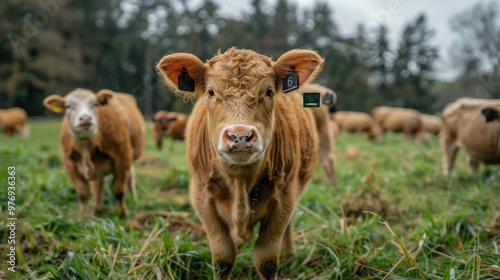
(392, 216)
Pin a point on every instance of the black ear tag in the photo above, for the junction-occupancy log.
(291, 81)
(328, 99)
(490, 114)
(310, 99)
(184, 81)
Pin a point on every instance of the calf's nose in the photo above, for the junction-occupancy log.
(240, 138)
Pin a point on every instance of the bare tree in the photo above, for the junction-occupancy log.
(478, 51)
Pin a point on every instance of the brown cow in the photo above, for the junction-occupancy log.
(101, 134)
(169, 124)
(431, 124)
(251, 148)
(325, 135)
(14, 120)
(466, 127)
(358, 122)
(398, 119)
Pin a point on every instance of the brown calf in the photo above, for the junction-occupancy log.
(250, 148)
(169, 124)
(101, 134)
(323, 128)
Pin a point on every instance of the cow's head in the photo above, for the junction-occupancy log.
(375, 133)
(491, 114)
(240, 88)
(163, 118)
(81, 109)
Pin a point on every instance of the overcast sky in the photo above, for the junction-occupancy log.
(394, 13)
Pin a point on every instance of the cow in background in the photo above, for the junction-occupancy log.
(101, 134)
(14, 120)
(468, 125)
(323, 126)
(169, 124)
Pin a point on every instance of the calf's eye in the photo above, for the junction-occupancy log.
(211, 93)
(269, 92)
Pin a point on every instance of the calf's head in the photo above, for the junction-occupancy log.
(164, 118)
(240, 88)
(81, 109)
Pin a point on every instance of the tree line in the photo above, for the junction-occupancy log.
(53, 46)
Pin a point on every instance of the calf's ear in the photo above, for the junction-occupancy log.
(55, 103)
(103, 96)
(183, 73)
(491, 114)
(306, 64)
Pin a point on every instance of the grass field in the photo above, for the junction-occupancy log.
(392, 216)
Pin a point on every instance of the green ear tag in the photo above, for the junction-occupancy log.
(184, 81)
(311, 99)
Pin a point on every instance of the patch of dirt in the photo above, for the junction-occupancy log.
(177, 222)
(368, 198)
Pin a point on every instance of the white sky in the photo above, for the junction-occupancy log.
(394, 13)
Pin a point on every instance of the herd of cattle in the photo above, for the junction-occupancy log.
(251, 148)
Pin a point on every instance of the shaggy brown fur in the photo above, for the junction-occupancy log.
(466, 127)
(323, 128)
(118, 140)
(334, 127)
(14, 120)
(233, 191)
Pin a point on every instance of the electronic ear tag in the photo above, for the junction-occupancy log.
(311, 99)
(184, 81)
(328, 99)
(291, 81)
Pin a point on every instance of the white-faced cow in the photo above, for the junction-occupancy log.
(101, 134)
(251, 148)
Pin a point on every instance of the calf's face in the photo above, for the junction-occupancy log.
(81, 109)
(163, 119)
(240, 88)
